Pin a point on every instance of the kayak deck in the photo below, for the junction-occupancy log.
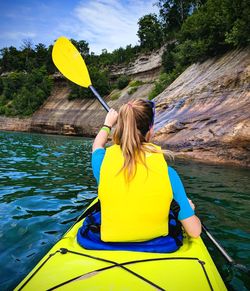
(68, 266)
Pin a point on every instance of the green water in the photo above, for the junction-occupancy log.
(46, 182)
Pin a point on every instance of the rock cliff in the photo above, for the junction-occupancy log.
(204, 114)
(14, 124)
(145, 68)
(58, 115)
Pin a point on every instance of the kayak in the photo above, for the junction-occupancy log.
(68, 266)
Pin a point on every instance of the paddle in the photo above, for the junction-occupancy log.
(229, 259)
(70, 63)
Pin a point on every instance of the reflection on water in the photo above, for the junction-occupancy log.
(46, 182)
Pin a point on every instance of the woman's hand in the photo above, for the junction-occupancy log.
(102, 136)
(111, 118)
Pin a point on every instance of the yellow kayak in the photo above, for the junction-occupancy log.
(68, 266)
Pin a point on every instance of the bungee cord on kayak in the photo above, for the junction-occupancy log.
(114, 264)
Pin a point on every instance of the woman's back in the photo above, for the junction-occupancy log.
(136, 210)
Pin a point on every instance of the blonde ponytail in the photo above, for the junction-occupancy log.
(134, 121)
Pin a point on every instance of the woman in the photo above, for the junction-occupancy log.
(136, 186)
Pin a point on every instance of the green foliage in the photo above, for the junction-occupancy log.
(219, 24)
(132, 90)
(190, 52)
(171, 15)
(122, 82)
(160, 85)
(100, 81)
(51, 69)
(11, 60)
(207, 26)
(41, 55)
(24, 93)
(82, 46)
(12, 83)
(168, 58)
(117, 57)
(210, 28)
(26, 59)
(115, 95)
(1, 86)
(150, 32)
(237, 35)
(135, 83)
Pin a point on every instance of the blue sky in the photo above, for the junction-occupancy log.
(103, 24)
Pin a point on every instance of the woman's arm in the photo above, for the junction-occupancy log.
(192, 226)
(103, 134)
(187, 217)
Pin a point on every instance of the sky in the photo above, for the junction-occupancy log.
(104, 24)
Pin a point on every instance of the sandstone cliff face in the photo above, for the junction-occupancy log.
(84, 117)
(78, 117)
(204, 114)
(145, 68)
(15, 124)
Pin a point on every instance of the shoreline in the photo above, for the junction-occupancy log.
(181, 155)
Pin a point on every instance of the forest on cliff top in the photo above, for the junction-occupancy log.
(190, 31)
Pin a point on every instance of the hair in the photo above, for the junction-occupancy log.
(133, 124)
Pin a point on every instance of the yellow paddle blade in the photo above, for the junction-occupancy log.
(70, 63)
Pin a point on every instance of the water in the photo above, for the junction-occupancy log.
(46, 182)
(221, 196)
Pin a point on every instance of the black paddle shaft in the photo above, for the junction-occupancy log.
(104, 104)
(219, 247)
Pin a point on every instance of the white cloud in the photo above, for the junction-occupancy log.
(16, 35)
(103, 24)
(107, 24)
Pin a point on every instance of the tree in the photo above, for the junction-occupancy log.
(12, 83)
(28, 53)
(51, 69)
(122, 82)
(41, 54)
(23, 93)
(99, 79)
(82, 46)
(150, 32)
(174, 12)
(238, 12)
(216, 27)
(11, 60)
(1, 86)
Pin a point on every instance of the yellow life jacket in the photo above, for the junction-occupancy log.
(138, 210)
